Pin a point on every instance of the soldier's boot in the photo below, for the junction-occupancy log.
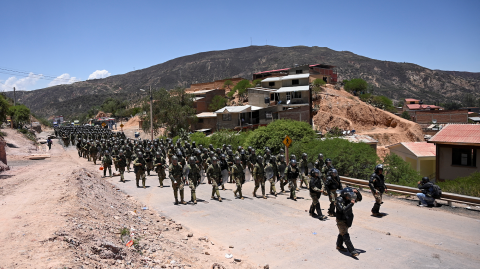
(235, 193)
(319, 212)
(194, 197)
(181, 197)
(273, 190)
(175, 194)
(148, 172)
(122, 178)
(376, 210)
(223, 187)
(213, 193)
(348, 243)
(340, 243)
(110, 172)
(160, 180)
(263, 192)
(311, 212)
(143, 182)
(240, 193)
(137, 180)
(104, 172)
(331, 209)
(218, 195)
(255, 191)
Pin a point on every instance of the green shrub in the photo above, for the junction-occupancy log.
(355, 160)
(273, 134)
(399, 172)
(469, 185)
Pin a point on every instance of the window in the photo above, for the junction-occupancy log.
(200, 120)
(289, 95)
(268, 114)
(271, 84)
(464, 157)
(227, 117)
(299, 71)
(295, 82)
(297, 94)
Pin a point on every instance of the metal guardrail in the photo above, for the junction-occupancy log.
(446, 196)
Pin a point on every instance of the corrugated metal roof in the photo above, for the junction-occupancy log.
(207, 115)
(198, 98)
(297, 76)
(458, 134)
(421, 149)
(294, 89)
(272, 79)
(237, 109)
(418, 106)
(474, 118)
(270, 71)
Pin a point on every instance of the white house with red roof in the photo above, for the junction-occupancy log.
(457, 151)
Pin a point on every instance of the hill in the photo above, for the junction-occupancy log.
(395, 80)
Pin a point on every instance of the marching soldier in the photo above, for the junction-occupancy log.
(332, 184)
(319, 162)
(121, 163)
(107, 164)
(316, 188)
(344, 218)
(193, 177)
(303, 165)
(214, 174)
(140, 168)
(176, 175)
(259, 176)
(239, 177)
(281, 164)
(291, 172)
(159, 164)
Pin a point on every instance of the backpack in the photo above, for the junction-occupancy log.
(435, 191)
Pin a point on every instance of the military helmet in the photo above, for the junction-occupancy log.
(282, 151)
(242, 152)
(222, 156)
(120, 152)
(378, 168)
(293, 162)
(174, 158)
(425, 180)
(179, 153)
(157, 153)
(237, 159)
(214, 159)
(315, 172)
(106, 152)
(139, 154)
(320, 156)
(239, 148)
(304, 155)
(267, 151)
(334, 172)
(293, 157)
(348, 194)
(259, 158)
(230, 152)
(282, 157)
(192, 160)
(328, 160)
(253, 150)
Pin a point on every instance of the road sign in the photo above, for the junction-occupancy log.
(104, 124)
(121, 125)
(287, 141)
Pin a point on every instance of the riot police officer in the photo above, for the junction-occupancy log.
(377, 186)
(316, 188)
(344, 217)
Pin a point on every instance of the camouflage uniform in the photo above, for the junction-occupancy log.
(139, 165)
(193, 179)
(239, 177)
(259, 176)
(107, 164)
(303, 165)
(291, 173)
(214, 175)
(159, 164)
(176, 175)
(121, 163)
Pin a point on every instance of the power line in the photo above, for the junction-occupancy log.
(30, 74)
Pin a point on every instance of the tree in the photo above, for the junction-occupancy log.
(217, 103)
(172, 110)
(256, 82)
(227, 84)
(406, 115)
(317, 86)
(20, 114)
(4, 108)
(398, 171)
(356, 84)
(242, 87)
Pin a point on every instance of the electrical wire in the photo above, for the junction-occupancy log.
(21, 73)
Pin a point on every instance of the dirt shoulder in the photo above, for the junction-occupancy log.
(58, 214)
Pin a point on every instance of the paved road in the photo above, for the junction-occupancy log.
(279, 232)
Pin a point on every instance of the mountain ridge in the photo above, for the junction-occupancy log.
(396, 80)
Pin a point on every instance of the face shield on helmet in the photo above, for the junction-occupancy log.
(349, 194)
(334, 172)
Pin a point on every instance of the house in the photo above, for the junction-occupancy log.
(204, 98)
(476, 120)
(441, 116)
(457, 148)
(420, 155)
(237, 117)
(206, 122)
(326, 72)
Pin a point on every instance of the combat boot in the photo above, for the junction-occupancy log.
(340, 243)
(219, 199)
(311, 212)
(348, 243)
(176, 201)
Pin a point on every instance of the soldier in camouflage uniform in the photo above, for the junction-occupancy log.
(149, 160)
(291, 173)
(252, 160)
(193, 177)
(86, 148)
(317, 187)
(259, 176)
(303, 165)
(128, 157)
(283, 180)
(94, 152)
(159, 164)
(121, 163)
(214, 174)
(239, 176)
(107, 164)
(176, 175)
(140, 168)
(273, 180)
(319, 163)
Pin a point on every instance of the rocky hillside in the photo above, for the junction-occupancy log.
(395, 80)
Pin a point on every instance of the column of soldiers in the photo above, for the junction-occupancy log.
(189, 165)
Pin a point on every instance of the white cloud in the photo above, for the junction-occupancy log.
(99, 74)
(20, 84)
(63, 79)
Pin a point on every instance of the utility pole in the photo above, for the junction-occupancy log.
(151, 112)
(14, 97)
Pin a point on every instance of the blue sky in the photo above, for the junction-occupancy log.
(78, 40)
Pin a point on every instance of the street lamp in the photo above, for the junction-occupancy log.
(151, 113)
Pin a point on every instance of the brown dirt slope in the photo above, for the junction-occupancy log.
(339, 108)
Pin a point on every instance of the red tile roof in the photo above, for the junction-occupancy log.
(458, 134)
(417, 106)
(421, 149)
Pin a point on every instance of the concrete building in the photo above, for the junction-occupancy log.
(440, 116)
(457, 151)
(204, 98)
(420, 155)
(206, 123)
(323, 71)
(238, 117)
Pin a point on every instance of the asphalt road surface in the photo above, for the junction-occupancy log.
(279, 232)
